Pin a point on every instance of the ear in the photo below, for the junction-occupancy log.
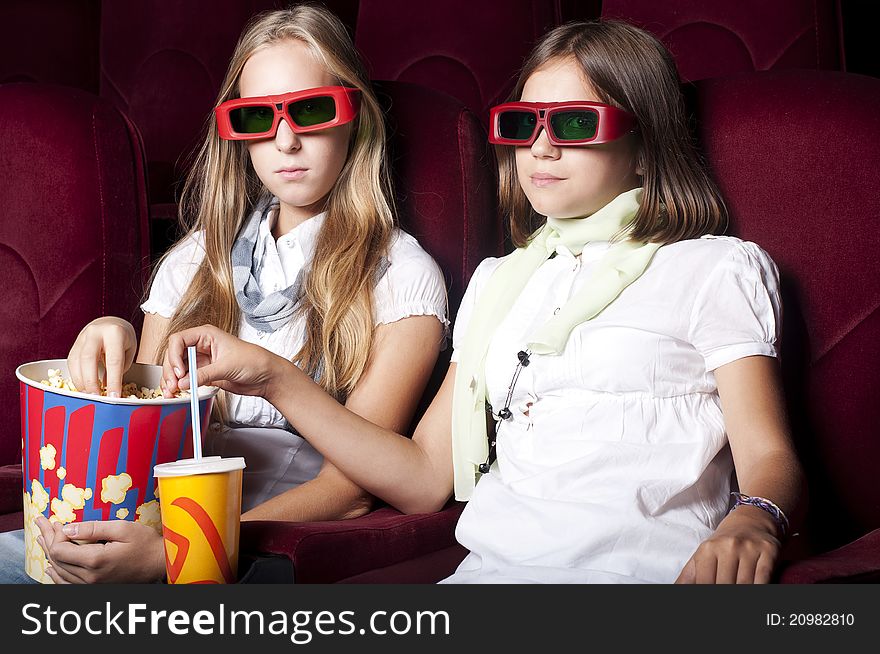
(640, 160)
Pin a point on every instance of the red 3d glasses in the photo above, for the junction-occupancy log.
(566, 123)
(305, 111)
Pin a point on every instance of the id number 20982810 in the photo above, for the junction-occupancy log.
(810, 620)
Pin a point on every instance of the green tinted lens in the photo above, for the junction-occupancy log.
(252, 120)
(574, 125)
(516, 125)
(312, 111)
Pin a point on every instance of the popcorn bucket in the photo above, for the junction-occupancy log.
(88, 457)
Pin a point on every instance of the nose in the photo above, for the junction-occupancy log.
(542, 148)
(286, 140)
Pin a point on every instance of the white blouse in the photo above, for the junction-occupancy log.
(616, 464)
(277, 459)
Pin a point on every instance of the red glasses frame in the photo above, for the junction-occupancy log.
(348, 102)
(613, 122)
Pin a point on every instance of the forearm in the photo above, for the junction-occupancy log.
(778, 477)
(313, 501)
(383, 463)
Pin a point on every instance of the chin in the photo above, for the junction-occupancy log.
(555, 211)
(295, 199)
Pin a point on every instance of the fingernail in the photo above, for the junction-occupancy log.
(177, 372)
(70, 530)
(112, 394)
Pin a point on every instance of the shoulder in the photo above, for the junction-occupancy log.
(174, 274)
(701, 256)
(188, 250)
(410, 265)
(483, 273)
(404, 247)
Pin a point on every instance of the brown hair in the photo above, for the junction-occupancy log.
(222, 189)
(632, 70)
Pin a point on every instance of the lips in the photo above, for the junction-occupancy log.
(544, 179)
(293, 172)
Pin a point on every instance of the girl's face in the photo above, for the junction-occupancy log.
(300, 169)
(571, 181)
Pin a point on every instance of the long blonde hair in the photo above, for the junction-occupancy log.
(222, 188)
(632, 70)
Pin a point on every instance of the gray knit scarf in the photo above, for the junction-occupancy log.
(267, 313)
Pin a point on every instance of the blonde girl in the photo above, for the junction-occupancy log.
(291, 246)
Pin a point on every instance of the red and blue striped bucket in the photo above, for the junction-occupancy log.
(86, 457)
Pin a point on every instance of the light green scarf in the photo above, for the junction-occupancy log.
(624, 262)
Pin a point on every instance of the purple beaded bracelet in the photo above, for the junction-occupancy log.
(768, 506)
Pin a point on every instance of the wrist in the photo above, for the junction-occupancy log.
(763, 511)
(157, 573)
(282, 375)
(757, 517)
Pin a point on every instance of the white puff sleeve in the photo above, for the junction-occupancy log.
(412, 286)
(174, 276)
(737, 311)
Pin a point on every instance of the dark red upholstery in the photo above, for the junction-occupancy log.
(470, 50)
(50, 41)
(73, 240)
(796, 155)
(710, 39)
(338, 551)
(445, 183)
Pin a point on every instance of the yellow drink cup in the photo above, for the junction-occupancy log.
(200, 501)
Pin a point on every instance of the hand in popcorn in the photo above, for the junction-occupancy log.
(109, 340)
(116, 551)
(223, 361)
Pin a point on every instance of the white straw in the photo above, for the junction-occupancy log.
(194, 403)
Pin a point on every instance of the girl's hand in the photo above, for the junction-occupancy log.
(743, 550)
(224, 361)
(110, 339)
(117, 551)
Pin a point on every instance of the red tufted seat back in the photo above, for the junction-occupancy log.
(796, 154)
(73, 238)
(710, 39)
(470, 50)
(444, 180)
(50, 41)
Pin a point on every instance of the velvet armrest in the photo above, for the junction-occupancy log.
(856, 562)
(327, 552)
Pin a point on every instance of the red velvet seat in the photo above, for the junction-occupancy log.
(470, 50)
(51, 42)
(796, 155)
(73, 239)
(722, 37)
